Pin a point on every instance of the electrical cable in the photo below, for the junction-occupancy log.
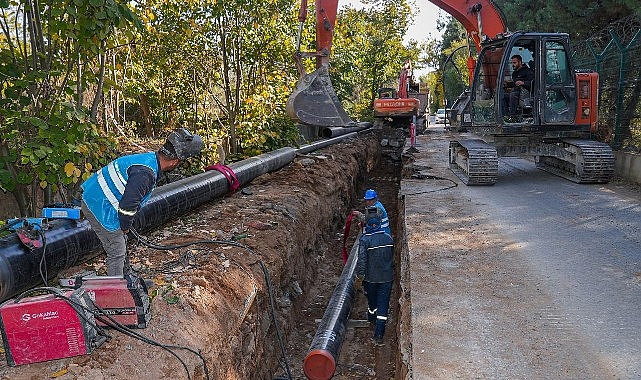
(43, 259)
(424, 176)
(233, 243)
(111, 322)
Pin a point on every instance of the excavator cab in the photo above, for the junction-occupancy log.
(549, 101)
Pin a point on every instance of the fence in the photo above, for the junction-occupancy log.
(615, 53)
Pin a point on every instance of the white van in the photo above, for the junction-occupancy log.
(440, 118)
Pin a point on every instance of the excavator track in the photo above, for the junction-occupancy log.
(474, 161)
(583, 161)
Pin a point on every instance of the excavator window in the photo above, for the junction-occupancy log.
(560, 93)
(485, 85)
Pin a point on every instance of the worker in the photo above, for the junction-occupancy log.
(522, 78)
(371, 199)
(112, 196)
(375, 270)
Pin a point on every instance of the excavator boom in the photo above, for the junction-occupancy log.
(481, 19)
(314, 101)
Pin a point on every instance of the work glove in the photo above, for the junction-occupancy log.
(359, 215)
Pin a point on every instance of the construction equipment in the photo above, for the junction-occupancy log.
(124, 300)
(314, 101)
(556, 115)
(45, 327)
(397, 108)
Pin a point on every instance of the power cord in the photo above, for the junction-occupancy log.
(102, 316)
(283, 361)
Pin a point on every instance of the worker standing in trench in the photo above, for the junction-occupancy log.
(375, 270)
(112, 196)
(371, 199)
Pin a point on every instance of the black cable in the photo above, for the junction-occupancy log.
(424, 176)
(43, 260)
(273, 313)
(146, 242)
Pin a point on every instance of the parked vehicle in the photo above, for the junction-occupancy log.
(439, 117)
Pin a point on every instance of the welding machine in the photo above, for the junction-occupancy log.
(46, 327)
(125, 299)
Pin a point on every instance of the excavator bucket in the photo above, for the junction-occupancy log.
(314, 101)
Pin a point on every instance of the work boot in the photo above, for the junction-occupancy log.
(378, 341)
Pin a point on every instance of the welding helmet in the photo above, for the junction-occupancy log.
(370, 194)
(182, 144)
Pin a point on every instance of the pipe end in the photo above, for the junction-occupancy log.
(319, 365)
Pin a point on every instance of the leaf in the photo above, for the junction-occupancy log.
(70, 168)
(59, 373)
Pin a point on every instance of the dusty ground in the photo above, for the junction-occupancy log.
(214, 298)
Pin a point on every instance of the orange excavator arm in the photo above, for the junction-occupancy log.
(314, 101)
(479, 18)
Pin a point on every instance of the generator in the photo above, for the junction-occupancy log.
(56, 325)
(123, 299)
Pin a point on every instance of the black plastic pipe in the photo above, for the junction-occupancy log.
(329, 132)
(320, 361)
(70, 243)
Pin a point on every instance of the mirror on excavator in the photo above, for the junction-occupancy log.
(314, 101)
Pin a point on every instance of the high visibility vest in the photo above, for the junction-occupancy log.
(103, 191)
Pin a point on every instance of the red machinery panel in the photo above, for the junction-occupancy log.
(47, 327)
(123, 299)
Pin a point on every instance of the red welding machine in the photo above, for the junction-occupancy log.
(47, 327)
(124, 300)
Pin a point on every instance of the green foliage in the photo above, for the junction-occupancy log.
(263, 124)
(579, 18)
(369, 53)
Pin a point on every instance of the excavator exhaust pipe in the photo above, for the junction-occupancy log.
(314, 101)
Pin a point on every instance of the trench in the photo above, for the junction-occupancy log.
(359, 357)
(218, 301)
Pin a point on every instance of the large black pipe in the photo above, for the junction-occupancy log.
(70, 243)
(320, 361)
(329, 132)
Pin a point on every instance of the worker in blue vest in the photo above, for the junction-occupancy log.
(375, 270)
(112, 196)
(371, 199)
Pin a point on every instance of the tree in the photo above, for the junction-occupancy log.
(369, 52)
(50, 52)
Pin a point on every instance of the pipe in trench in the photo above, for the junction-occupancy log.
(320, 361)
(70, 242)
(329, 132)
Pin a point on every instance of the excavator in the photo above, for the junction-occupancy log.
(556, 114)
(398, 107)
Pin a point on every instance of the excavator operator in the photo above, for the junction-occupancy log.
(521, 83)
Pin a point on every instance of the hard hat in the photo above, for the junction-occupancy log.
(370, 194)
(182, 144)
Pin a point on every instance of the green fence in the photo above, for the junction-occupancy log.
(615, 53)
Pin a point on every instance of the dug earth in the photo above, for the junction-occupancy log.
(234, 304)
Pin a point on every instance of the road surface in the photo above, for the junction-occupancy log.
(535, 277)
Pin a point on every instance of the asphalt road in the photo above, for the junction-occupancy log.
(534, 277)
